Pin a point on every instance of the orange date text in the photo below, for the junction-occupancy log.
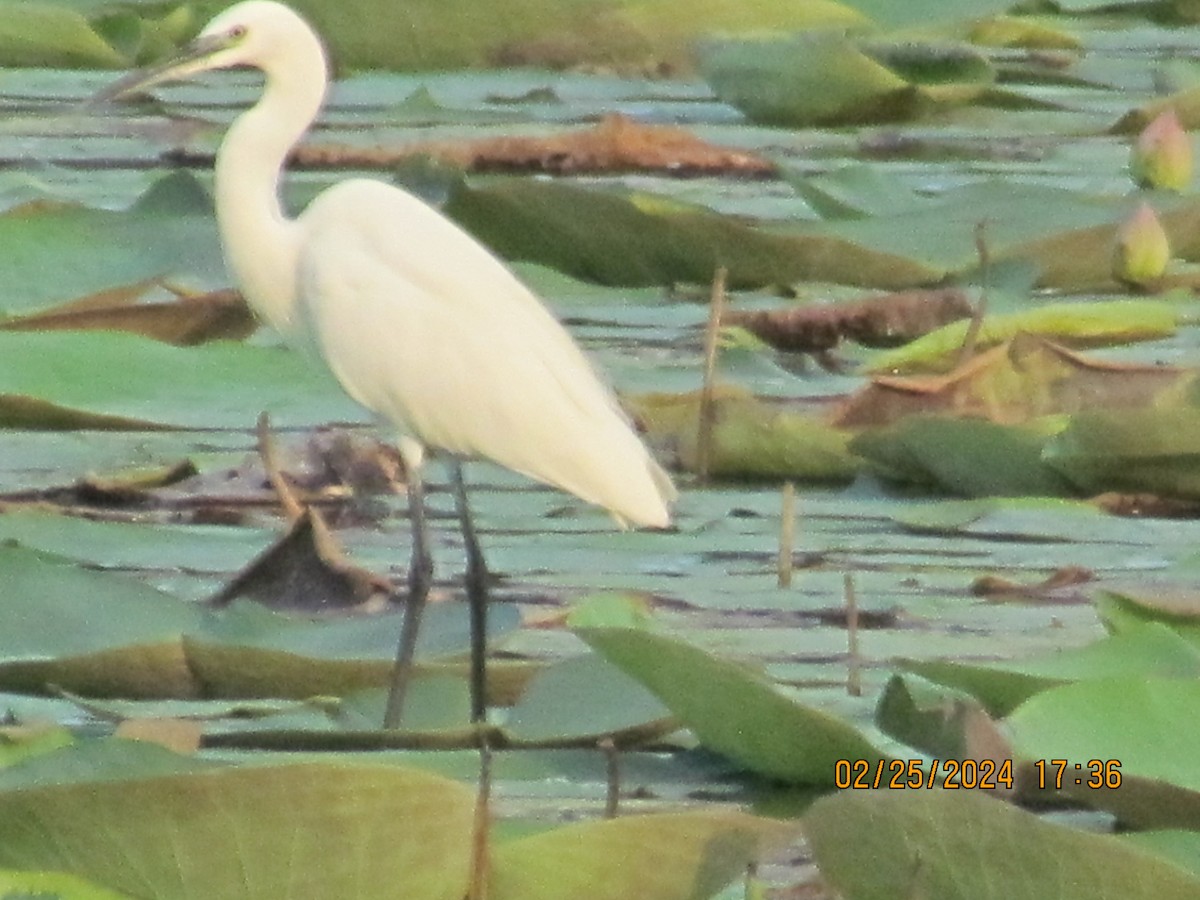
(912, 774)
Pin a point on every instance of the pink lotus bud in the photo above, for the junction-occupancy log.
(1142, 250)
(1162, 154)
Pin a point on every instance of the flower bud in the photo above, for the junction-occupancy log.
(1142, 250)
(1162, 154)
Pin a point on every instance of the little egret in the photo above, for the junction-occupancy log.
(417, 321)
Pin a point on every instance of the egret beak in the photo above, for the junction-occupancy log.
(193, 58)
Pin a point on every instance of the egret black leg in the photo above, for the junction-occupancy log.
(477, 594)
(420, 578)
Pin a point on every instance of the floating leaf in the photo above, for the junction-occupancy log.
(1024, 379)
(51, 612)
(450, 34)
(1090, 324)
(738, 713)
(75, 377)
(826, 77)
(945, 845)
(1138, 724)
(1068, 235)
(673, 856)
(930, 717)
(340, 831)
(1178, 608)
(586, 696)
(148, 644)
(169, 231)
(1017, 31)
(45, 34)
(1148, 650)
(646, 240)
(19, 742)
(963, 456)
(1181, 847)
(750, 438)
(52, 886)
(856, 191)
(1153, 450)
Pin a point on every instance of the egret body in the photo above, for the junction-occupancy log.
(417, 321)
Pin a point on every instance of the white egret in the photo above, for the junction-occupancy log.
(418, 322)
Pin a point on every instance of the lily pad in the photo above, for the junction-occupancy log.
(738, 713)
(340, 831)
(170, 231)
(827, 77)
(46, 34)
(585, 697)
(648, 240)
(103, 634)
(1151, 649)
(954, 845)
(139, 383)
(1136, 723)
(967, 457)
(53, 886)
(1152, 450)
(688, 856)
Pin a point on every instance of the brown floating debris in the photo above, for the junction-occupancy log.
(1055, 589)
(883, 321)
(615, 144)
(306, 568)
(185, 321)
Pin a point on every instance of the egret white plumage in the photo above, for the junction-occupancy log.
(418, 321)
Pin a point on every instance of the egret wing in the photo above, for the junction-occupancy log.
(422, 325)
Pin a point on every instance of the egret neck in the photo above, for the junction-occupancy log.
(261, 243)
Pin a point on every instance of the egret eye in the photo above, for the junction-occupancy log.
(237, 32)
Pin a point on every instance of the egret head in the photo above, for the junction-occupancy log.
(255, 33)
